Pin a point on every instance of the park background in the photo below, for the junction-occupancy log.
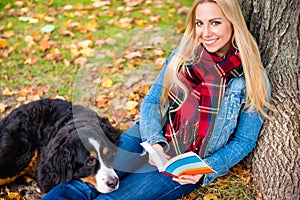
(106, 53)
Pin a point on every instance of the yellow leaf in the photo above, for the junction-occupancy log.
(2, 107)
(107, 82)
(87, 52)
(91, 25)
(7, 92)
(14, 195)
(9, 25)
(23, 93)
(172, 10)
(210, 197)
(140, 22)
(223, 186)
(130, 105)
(3, 43)
(85, 44)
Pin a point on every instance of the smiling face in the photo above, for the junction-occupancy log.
(213, 29)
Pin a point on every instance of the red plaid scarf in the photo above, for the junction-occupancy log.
(190, 121)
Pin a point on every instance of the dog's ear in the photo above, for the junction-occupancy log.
(56, 165)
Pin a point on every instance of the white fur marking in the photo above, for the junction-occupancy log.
(105, 173)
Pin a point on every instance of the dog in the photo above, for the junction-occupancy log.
(56, 141)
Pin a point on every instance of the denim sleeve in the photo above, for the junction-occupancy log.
(242, 142)
(151, 120)
(239, 146)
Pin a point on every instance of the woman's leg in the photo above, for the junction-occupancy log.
(139, 179)
(148, 185)
(128, 158)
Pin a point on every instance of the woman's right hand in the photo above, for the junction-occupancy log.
(157, 147)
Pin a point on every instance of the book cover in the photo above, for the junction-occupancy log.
(187, 163)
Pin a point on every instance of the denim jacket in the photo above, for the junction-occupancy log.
(235, 131)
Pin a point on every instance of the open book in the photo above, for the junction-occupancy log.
(187, 163)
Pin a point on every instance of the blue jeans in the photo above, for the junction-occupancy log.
(138, 179)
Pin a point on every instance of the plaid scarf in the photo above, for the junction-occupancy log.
(206, 78)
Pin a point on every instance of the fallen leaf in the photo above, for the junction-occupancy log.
(23, 93)
(100, 103)
(85, 44)
(147, 11)
(158, 52)
(7, 92)
(2, 107)
(19, 3)
(44, 45)
(3, 43)
(68, 7)
(9, 25)
(159, 62)
(98, 4)
(87, 52)
(130, 105)
(36, 36)
(132, 3)
(210, 197)
(14, 195)
(133, 54)
(80, 61)
(49, 19)
(183, 10)
(8, 34)
(91, 25)
(155, 19)
(106, 82)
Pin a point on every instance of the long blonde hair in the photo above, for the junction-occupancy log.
(257, 95)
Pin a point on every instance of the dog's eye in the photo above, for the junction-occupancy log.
(91, 162)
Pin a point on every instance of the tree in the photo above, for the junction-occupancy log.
(275, 163)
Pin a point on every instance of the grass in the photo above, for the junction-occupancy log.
(57, 76)
(19, 73)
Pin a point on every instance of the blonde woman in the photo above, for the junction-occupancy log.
(211, 98)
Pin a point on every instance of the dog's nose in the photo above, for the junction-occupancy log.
(112, 182)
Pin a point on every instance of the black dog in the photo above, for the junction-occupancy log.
(69, 141)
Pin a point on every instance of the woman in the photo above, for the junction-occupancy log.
(211, 98)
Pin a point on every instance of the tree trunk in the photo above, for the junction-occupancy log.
(275, 162)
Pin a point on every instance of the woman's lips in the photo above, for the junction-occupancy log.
(210, 42)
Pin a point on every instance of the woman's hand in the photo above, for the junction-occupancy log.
(157, 147)
(188, 179)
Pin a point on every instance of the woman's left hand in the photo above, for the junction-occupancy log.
(188, 179)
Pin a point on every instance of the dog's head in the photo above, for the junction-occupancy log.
(81, 149)
(96, 165)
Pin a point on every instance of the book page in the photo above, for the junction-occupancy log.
(157, 157)
(187, 163)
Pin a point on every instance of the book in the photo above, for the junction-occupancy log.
(184, 164)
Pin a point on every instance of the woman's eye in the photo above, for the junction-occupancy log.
(215, 23)
(198, 23)
(91, 162)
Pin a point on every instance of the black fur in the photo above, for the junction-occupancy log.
(60, 132)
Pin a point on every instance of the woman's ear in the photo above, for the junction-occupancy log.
(56, 165)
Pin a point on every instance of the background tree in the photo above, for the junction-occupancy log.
(275, 162)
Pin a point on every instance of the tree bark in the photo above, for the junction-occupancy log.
(275, 162)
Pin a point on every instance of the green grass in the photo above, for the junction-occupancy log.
(55, 78)
(20, 74)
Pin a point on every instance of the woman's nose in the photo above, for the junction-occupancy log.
(206, 31)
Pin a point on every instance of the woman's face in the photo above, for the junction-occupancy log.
(213, 29)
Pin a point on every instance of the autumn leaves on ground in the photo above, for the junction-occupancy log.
(103, 54)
